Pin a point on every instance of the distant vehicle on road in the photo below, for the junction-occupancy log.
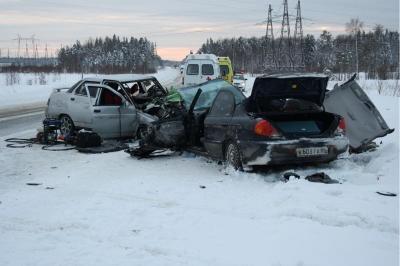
(200, 68)
(112, 108)
(225, 66)
(239, 81)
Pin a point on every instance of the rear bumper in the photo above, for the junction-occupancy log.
(281, 152)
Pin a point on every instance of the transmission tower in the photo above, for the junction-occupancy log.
(36, 52)
(26, 50)
(46, 52)
(31, 39)
(298, 51)
(285, 47)
(270, 57)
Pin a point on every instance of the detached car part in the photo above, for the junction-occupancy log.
(364, 123)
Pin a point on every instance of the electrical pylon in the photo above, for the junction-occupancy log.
(298, 41)
(269, 58)
(285, 46)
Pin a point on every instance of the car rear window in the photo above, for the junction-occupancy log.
(192, 69)
(207, 69)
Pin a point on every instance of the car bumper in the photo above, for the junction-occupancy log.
(282, 152)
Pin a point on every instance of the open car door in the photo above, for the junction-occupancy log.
(364, 123)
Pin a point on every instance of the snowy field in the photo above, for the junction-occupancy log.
(111, 209)
(31, 88)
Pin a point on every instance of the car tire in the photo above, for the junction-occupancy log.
(67, 125)
(233, 156)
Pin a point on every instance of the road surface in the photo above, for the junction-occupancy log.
(20, 123)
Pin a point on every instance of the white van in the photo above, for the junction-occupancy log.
(200, 68)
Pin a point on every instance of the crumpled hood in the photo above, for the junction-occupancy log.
(304, 87)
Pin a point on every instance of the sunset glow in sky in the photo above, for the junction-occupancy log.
(177, 26)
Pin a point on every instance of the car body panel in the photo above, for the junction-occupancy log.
(364, 123)
(278, 152)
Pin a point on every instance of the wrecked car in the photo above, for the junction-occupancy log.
(282, 122)
(111, 108)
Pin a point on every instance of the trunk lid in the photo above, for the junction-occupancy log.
(364, 123)
(309, 87)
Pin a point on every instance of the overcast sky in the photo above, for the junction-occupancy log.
(177, 26)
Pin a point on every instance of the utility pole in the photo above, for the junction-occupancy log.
(270, 56)
(298, 40)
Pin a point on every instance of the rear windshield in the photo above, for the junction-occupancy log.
(207, 69)
(192, 69)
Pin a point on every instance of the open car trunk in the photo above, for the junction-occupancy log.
(293, 104)
(298, 125)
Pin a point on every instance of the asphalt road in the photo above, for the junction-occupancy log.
(17, 124)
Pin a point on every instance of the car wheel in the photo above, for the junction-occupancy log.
(144, 133)
(67, 125)
(232, 156)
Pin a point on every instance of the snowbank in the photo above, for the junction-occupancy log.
(34, 88)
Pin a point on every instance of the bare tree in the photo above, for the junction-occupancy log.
(354, 27)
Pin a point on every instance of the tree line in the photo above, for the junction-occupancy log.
(377, 50)
(110, 55)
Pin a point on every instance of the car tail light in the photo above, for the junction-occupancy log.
(264, 128)
(342, 126)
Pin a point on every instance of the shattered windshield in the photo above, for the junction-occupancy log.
(209, 92)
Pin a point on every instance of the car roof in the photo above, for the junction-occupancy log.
(294, 75)
(118, 79)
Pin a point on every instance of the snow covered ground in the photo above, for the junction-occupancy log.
(111, 209)
(29, 90)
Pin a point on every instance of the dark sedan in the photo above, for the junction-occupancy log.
(282, 122)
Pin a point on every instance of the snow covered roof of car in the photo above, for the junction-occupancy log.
(294, 75)
(119, 79)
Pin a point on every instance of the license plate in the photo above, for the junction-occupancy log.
(312, 151)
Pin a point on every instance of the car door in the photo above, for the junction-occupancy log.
(363, 121)
(218, 123)
(112, 115)
(79, 106)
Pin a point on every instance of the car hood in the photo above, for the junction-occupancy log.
(304, 87)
